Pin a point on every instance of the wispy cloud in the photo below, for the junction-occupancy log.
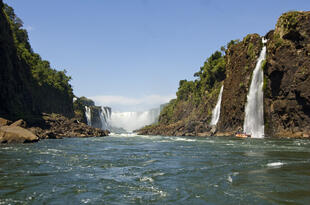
(122, 103)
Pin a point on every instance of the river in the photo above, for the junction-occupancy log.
(130, 169)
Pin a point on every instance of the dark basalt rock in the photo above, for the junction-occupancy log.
(241, 61)
(287, 95)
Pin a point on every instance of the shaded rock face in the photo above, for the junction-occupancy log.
(287, 92)
(15, 78)
(20, 94)
(95, 116)
(241, 60)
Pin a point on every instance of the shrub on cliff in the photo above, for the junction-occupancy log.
(192, 93)
(211, 72)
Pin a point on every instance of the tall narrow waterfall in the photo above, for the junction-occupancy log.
(217, 109)
(88, 115)
(254, 109)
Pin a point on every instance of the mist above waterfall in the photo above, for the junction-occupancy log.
(131, 121)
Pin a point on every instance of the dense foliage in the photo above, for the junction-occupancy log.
(207, 83)
(40, 69)
(211, 72)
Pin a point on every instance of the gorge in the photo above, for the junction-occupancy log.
(181, 152)
(235, 88)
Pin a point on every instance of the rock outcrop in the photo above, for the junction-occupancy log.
(21, 94)
(16, 134)
(55, 126)
(287, 73)
(241, 60)
(48, 126)
(286, 87)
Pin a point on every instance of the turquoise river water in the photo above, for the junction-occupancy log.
(130, 169)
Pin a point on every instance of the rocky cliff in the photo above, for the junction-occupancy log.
(241, 60)
(28, 86)
(286, 87)
(287, 72)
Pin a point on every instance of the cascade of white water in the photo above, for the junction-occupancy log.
(254, 109)
(217, 109)
(105, 116)
(88, 115)
(134, 120)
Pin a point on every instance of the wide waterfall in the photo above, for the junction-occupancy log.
(131, 121)
(254, 109)
(88, 115)
(217, 109)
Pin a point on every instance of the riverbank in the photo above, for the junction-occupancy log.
(46, 126)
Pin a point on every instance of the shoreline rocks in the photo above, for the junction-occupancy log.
(47, 126)
(15, 134)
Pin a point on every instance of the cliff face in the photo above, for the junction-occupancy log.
(287, 95)
(286, 86)
(190, 114)
(241, 60)
(21, 95)
(15, 78)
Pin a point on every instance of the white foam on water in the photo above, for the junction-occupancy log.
(275, 164)
(146, 179)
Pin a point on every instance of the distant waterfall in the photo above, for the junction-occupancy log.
(217, 109)
(131, 121)
(105, 116)
(88, 115)
(254, 109)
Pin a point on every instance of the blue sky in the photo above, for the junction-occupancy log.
(131, 54)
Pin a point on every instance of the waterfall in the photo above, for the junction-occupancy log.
(105, 116)
(217, 109)
(131, 121)
(88, 115)
(254, 109)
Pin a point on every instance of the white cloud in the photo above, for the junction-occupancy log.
(121, 103)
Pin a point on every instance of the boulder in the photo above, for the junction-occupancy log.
(4, 122)
(15, 134)
(19, 123)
